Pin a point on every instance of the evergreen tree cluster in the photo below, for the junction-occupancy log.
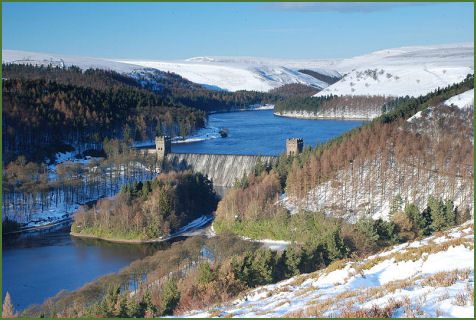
(150, 209)
(334, 106)
(294, 90)
(308, 104)
(117, 304)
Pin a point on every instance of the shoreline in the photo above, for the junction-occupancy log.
(262, 108)
(115, 240)
(322, 117)
(40, 227)
(180, 233)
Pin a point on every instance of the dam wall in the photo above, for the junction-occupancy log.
(221, 169)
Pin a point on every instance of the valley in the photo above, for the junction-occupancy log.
(228, 220)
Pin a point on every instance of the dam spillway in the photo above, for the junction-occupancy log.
(221, 169)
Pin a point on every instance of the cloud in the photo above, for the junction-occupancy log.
(343, 7)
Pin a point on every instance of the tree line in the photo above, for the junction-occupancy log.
(37, 113)
(337, 106)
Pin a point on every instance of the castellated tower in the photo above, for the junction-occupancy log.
(294, 146)
(162, 146)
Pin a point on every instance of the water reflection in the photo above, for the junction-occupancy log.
(37, 265)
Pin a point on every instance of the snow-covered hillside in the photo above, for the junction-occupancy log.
(433, 277)
(36, 58)
(463, 100)
(225, 73)
(233, 75)
(393, 72)
(403, 71)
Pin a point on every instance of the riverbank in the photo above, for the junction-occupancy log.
(192, 226)
(39, 227)
(313, 116)
(256, 107)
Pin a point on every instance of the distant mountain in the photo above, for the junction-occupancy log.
(240, 73)
(218, 73)
(392, 72)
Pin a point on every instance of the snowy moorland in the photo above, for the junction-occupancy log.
(432, 277)
(403, 71)
(393, 72)
(233, 74)
(227, 74)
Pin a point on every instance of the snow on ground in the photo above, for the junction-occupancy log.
(419, 114)
(340, 197)
(432, 277)
(59, 208)
(275, 245)
(202, 134)
(394, 72)
(226, 73)
(462, 100)
(260, 107)
(232, 75)
(403, 71)
(193, 225)
(288, 204)
(347, 114)
(61, 60)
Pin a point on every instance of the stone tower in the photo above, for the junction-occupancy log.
(294, 146)
(162, 146)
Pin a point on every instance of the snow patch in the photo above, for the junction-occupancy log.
(463, 100)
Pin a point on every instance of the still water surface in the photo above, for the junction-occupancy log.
(37, 266)
(260, 132)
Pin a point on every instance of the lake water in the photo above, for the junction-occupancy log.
(260, 132)
(38, 265)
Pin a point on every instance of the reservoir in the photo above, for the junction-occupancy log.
(261, 132)
(38, 265)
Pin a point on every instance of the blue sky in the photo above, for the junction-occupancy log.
(183, 30)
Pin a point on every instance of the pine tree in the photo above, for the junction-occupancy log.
(438, 214)
(121, 307)
(171, 297)
(450, 213)
(8, 310)
(127, 134)
(146, 304)
(396, 205)
(263, 267)
(292, 260)
(134, 309)
(53, 312)
(335, 246)
(205, 273)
